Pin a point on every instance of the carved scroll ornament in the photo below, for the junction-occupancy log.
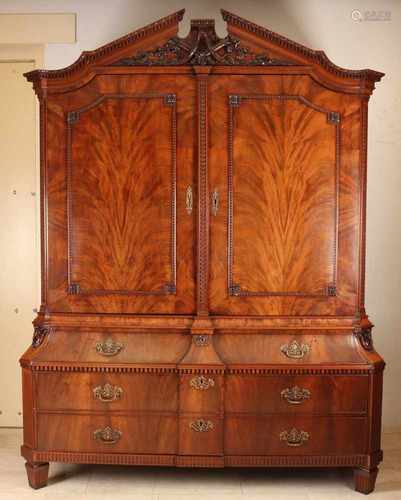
(39, 335)
(201, 47)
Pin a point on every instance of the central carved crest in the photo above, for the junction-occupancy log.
(201, 47)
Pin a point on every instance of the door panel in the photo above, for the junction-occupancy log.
(282, 171)
(122, 172)
(275, 237)
(122, 239)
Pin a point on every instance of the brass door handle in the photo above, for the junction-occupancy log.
(294, 437)
(295, 395)
(189, 201)
(107, 435)
(215, 202)
(109, 347)
(201, 383)
(107, 393)
(201, 425)
(295, 350)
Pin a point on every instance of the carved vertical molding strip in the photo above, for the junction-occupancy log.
(362, 209)
(203, 196)
(43, 199)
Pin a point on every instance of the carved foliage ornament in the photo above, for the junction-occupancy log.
(364, 335)
(39, 334)
(201, 47)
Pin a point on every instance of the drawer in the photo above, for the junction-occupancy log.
(107, 391)
(111, 347)
(201, 393)
(321, 394)
(201, 435)
(102, 433)
(289, 435)
(287, 347)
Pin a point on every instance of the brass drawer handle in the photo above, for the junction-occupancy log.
(109, 348)
(294, 437)
(107, 435)
(201, 425)
(295, 350)
(107, 393)
(295, 395)
(215, 202)
(189, 200)
(201, 383)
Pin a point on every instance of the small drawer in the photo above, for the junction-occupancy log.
(289, 435)
(201, 393)
(201, 435)
(130, 434)
(319, 394)
(107, 391)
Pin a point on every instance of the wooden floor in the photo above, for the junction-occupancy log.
(83, 482)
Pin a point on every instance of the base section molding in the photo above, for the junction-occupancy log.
(198, 461)
(297, 461)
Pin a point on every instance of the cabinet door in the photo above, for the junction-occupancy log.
(283, 216)
(128, 170)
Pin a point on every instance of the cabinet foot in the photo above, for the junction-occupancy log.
(365, 480)
(37, 474)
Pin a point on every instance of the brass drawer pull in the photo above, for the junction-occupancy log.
(201, 425)
(107, 435)
(215, 202)
(189, 202)
(295, 350)
(107, 393)
(201, 383)
(295, 395)
(294, 437)
(109, 348)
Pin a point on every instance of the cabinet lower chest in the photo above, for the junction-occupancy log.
(202, 414)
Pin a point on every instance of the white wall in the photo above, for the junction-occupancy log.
(320, 24)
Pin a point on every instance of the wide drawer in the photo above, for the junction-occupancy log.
(107, 391)
(104, 433)
(290, 435)
(322, 394)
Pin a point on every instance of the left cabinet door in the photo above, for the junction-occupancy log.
(119, 196)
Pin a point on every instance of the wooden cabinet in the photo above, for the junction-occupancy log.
(203, 242)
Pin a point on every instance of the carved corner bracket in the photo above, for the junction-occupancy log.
(364, 334)
(39, 335)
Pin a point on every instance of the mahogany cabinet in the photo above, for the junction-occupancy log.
(203, 258)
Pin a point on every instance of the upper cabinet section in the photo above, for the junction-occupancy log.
(247, 45)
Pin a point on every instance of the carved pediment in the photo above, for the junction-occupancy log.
(246, 44)
(201, 47)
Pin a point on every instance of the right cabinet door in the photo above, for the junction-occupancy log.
(284, 184)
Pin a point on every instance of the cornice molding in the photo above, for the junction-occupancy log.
(94, 56)
(313, 56)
